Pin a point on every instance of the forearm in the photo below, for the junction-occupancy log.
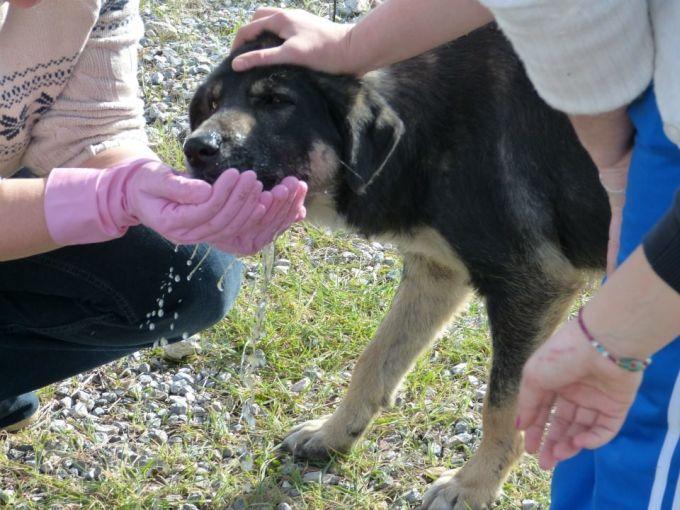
(22, 220)
(400, 29)
(636, 312)
(22, 215)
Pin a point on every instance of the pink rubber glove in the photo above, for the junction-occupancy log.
(90, 205)
(285, 208)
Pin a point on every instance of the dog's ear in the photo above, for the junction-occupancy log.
(373, 133)
(370, 128)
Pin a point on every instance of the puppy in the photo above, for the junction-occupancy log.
(453, 157)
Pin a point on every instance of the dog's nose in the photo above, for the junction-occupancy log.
(203, 148)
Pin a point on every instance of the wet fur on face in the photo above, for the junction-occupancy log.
(453, 157)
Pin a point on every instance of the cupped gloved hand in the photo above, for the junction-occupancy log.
(89, 205)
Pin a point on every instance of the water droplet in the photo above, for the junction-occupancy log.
(152, 326)
(177, 278)
(172, 326)
(185, 335)
(161, 313)
(176, 315)
(188, 262)
(153, 314)
(171, 269)
(161, 302)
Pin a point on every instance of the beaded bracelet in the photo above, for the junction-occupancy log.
(630, 364)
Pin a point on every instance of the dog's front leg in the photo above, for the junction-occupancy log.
(521, 318)
(427, 297)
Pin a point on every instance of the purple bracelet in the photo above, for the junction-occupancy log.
(630, 364)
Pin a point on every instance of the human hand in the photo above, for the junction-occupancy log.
(284, 206)
(580, 396)
(87, 205)
(309, 41)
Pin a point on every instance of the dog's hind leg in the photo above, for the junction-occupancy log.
(428, 296)
(521, 315)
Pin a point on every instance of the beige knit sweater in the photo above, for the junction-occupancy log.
(68, 82)
(592, 56)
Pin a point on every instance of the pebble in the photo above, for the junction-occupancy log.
(301, 385)
(6, 496)
(180, 350)
(530, 504)
(158, 435)
(283, 506)
(412, 496)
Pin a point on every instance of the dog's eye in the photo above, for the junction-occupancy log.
(273, 100)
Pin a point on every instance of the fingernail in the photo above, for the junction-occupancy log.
(517, 423)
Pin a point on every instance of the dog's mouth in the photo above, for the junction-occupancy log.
(268, 177)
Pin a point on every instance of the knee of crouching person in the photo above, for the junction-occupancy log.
(209, 291)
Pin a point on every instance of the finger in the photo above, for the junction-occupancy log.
(178, 219)
(249, 214)
(530, 400)
(239, 204)
(286, 220)
(178, 189)
(264, 57)
(560, 421)
(280, 196)
(533, 435)
(265, 19)
(593, 438)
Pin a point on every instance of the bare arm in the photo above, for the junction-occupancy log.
(393, 31)
(608, 138)
(22, 218)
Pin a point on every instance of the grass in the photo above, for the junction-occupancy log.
(320, 316)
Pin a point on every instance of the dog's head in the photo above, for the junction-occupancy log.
(287, 120)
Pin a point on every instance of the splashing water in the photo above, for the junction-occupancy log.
(220, 282)
(205, 256)
(267, 257)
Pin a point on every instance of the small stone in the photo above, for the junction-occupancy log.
(461, 427)
(180, 350)
(412, 496)
(301, 385)
(459, 368)
(80, 410)
(144, 368)
(238, 504)
(179, 405)
(156, 78)
(189, 506)
(283, 506)
(530, 504)
(158, 435)
(464, 438)
(66, 402)
(6, 496)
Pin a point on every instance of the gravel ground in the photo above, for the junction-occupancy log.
(129, 414)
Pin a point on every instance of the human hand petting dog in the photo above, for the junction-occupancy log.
(234, 214)
(393, 31)
(575, 391)
(309, 40)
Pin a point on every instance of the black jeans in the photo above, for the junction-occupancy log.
(76, 308)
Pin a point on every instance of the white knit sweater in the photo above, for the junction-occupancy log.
(68, 82)
(591, 56)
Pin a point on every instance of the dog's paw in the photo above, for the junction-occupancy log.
(315, 441)
(450, 493)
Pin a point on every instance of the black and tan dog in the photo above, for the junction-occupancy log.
(453, 157)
